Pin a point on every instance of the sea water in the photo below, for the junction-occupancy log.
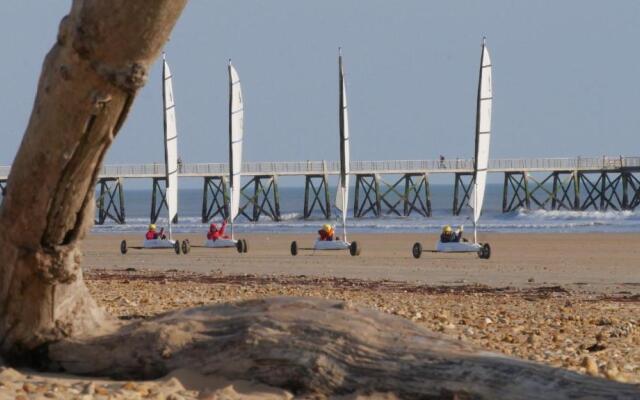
(138, 207)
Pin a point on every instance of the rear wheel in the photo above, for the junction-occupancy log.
(176, 246)
(354, 249)
(486, 251)
(416, 250)
(244, 246)
(123, 247)
(294, 248)
(239, 246)
(186, 246)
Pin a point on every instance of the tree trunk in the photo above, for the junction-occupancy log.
(88, 82)
(313, 346)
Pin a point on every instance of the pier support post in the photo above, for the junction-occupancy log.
(110, 201)
(367, 185)
(603, 193)
(265, 199)
(633, 191)
(564, 190)
(407, 194)
(417, 194)
(460, 187)
(215, 199)
(515, 191)
(3, 187)
(316, 192)
(159, 199)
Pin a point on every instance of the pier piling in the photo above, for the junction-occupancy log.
(462, 185)
(316, 192)
(159, 199)
(110, 201)
(265, 199)
(215, 199)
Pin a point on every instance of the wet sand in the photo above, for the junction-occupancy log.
(600, 263)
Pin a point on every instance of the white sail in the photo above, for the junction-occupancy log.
(170, 145)
(342, 195)
(236, 131)
(483, 134)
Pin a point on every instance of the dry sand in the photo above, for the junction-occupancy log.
(570, 301)
(604, 263)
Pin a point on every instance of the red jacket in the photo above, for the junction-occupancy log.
(215, 235)
(151, 235)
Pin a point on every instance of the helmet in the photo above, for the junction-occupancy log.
(152, 227)
(326, 227)
(447, 229)
(213, 227)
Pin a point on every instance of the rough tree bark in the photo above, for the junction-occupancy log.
(88, 82)
(87, 86)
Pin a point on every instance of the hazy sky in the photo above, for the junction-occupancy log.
(566, 78)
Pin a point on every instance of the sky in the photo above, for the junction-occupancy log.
(565, 75)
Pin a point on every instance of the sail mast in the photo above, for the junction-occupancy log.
(236, 133)
(344, 145)
(170, 145)
(483, 135)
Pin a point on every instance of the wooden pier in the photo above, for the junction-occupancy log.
(386, 187)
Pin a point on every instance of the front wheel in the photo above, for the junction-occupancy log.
(416, 250)
(294, 248)
(244, 246)
(176, 247)
(354, 249)
(123, 247)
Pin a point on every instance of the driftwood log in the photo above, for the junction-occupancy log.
(88, 83)
(313, 346)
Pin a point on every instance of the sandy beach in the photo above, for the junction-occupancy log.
(596, 262)
(569, 301)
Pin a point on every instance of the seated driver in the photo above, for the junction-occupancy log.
(449, 236)
(152, 234)
(215, 233)
(326, 232)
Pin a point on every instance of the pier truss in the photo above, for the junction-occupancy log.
(316, 193)
(462, 191)
(260, 198)
(406, 195)
(215, 201)
(110, 201)
(571, 190)
(159, 199)
(600, 183)
(264, 200)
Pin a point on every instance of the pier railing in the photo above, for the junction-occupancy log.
(371, 167)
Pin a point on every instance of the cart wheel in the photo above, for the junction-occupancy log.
(294, 248)
(176, 246)
(186, 246)
(244, 246)
(486, 250)
(354, 249)
(123, 247)
(416, 250)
